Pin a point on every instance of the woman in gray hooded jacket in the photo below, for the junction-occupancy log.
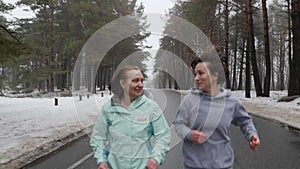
(204, 117)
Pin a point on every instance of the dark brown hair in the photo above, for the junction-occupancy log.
(214, 66)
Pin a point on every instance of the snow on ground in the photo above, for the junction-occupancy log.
(31, 127)
(287, 113)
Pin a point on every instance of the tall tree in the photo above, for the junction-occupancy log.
(10, 41)
(289, 37)
(226, 57)
(294, 81)
(45, 11)
(248, 65)
(12, 47)
(267, 80)
(233, 87)
(257, 81)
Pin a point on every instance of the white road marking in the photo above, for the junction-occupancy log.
(80, 161)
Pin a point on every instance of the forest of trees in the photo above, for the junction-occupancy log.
(257, 40)
(40, 52)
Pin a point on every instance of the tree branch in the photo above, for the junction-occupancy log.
(10, 33)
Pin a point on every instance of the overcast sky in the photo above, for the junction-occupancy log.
(18, 12)
(156, 6)
(151, 6)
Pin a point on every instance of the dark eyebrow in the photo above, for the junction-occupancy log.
(138, 78)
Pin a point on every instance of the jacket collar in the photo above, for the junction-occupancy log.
(116, 101)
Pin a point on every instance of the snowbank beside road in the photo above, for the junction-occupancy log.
(287, 113)
(31, 127)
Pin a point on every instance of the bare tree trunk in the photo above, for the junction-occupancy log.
(46, 44)
(107, 76)
(248, 69)
(94, 77)
(235, 52)
(281, 62)
(294, 87)
(219, 25)
(169, 80)
(77, 75)
(88, 71)
(272, 75)
(257, 81)
(226, 58)
(102, 73)
(248, 72)
(51, 53)
(267, 80)
(289, 39)
(240, 86)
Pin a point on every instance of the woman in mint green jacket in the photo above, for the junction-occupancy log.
(121, 138)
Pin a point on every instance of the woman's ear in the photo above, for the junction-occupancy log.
(216, 75)
(122, 84)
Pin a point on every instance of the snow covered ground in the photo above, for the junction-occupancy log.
(31, 127)
(287, 113)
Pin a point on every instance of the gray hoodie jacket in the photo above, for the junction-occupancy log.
(213, 116)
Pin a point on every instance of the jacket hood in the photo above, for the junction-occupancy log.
(225, 93)
(135, 104)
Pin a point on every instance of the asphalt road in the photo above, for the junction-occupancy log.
(280, 146)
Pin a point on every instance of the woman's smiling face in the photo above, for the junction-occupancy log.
(202, 77)
(134, 84)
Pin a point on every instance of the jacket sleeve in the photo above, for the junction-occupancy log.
(162, 135)
(181, 121)
(244, 121)
(99, 137)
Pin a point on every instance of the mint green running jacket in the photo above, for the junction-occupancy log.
(127, 138)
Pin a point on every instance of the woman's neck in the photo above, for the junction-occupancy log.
(125, 101)
(214, 90)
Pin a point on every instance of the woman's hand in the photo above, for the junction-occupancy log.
(254, 143)
(198, 136)
(152, 164)
(103, 165)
